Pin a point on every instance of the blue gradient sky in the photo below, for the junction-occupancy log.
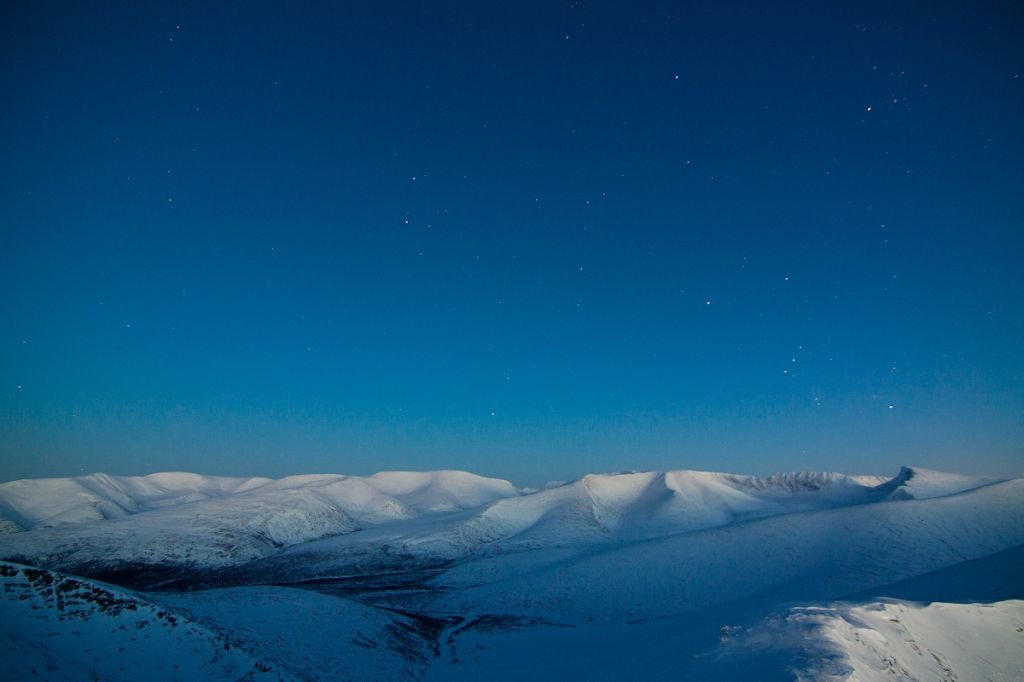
(530, 240)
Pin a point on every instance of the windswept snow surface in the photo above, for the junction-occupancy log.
(904, 640)
(879, 640)
(448, 575)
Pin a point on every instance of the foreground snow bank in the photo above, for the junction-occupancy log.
(886, 640)
(59, 627)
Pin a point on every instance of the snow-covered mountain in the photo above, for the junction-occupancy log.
(46, 502)
(594, 511)
(450, 575)
(154, 525)
(166, 527)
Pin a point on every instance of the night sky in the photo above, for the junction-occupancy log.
(530, 240)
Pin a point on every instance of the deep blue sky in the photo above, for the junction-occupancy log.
(530, 240)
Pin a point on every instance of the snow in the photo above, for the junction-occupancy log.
(886, 640)
(442, 490)
(606, 509)
(183, 523)
(447, 575)
(43, 502)
(196, 521)
(59, 627)
(311, 635)
(882, 639)
(769, 639)
(922, 484)
(811, 555)
(878, 639)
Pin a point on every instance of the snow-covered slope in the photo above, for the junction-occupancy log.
(594, 510)
(166, 527)
(59, 627)
(815, 555)
(764, 637)
(42, 502)
(921, 484)
(966, 622)
(315, 636)
(682, 574)
(905, 640)
(45, 502)
(166, 521)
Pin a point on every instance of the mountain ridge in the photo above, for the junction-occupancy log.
(170, 526)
